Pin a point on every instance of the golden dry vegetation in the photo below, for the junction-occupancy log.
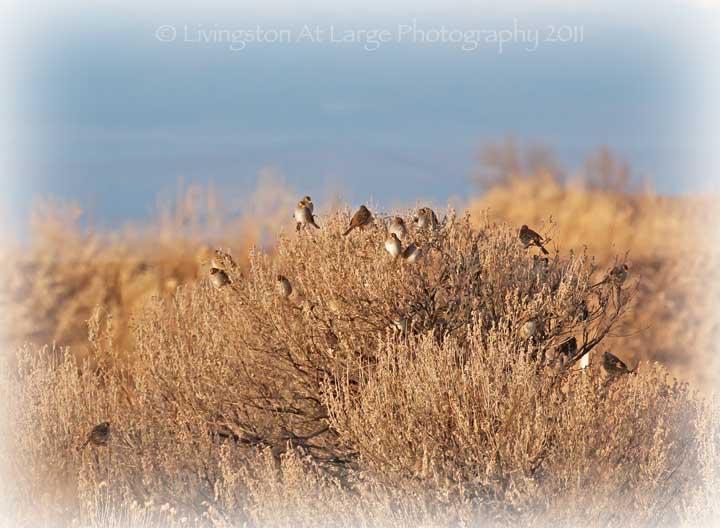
(379, 392)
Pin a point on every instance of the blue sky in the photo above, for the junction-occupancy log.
(111, 116)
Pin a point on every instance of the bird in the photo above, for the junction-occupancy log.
(284, 287)
(426, 218)
(397, 226)
(307, 202)
(400, 324)
(412, 253)
(99, 435)
(361, 218)
(616, 276)
(568, 348)
(530, 238)
(218, 277)
(331, 338)
(393, 246)
(303, 216)
(614, 365)
(528, 329)
(222, 260)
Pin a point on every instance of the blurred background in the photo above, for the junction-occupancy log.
(138, 137)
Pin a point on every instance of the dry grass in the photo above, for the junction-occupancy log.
(378, 393)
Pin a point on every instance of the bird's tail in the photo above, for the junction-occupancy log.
(542, 248)
(314, 223)
(348, 230)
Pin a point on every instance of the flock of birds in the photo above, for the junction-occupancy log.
(397, 232)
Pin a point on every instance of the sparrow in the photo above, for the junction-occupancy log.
(218, 277)
(400, 324)
(307, 202)
(393, 246)
(412, 253)
(397, 226)
(614, 365)
(331, 339)
(303, 216)
(284, 287)
(426, 218)
(568, 348)
(99, 435)
(528, 329)
(615, 276)
(361, 218)
(530, 238)
(222, 260)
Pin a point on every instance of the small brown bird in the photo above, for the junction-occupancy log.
(307, 202)
(393, 246)
(615, 277)
(614, 365)
(222, 260)
(397, 226)
(303, 216)
(331, 338)
(99, 435)
(284, 287)
(568, 348)
(412, 253)
(426, 218)
(361, 218)
(528, 329)
(218, 277)
(530, 238)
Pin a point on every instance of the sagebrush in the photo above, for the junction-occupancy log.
(379, 393)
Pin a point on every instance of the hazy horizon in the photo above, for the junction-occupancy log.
(112, 116)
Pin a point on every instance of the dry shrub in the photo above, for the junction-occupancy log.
(379, 392)
(53, 284)
(665, 239)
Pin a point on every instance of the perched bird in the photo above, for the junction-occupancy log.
(530, 238)
(284, 287)
(583, 312)
(614, 365)
(412, 253)
(616, 276)
(361, 218)
(393, 246)
(331, 339)
(528, 329)
(218, 277)
(303, 216)
(99, 435)
(307, 202)
(222, 260)
(426, 218)
(568, 348)
(400, 324)
(397, 226)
